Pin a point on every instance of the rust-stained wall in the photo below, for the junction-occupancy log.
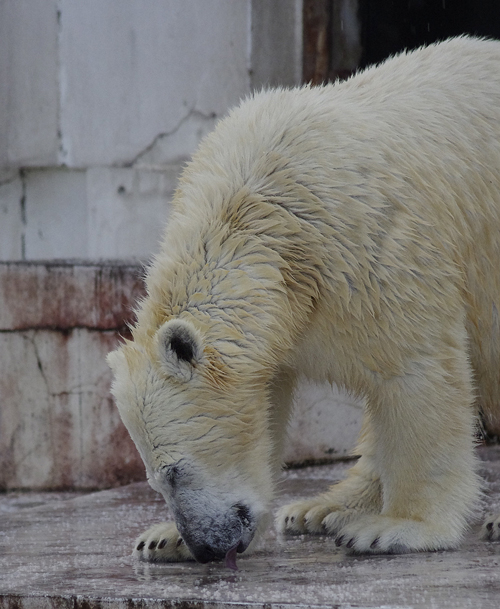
(66, 295)
(58, 425)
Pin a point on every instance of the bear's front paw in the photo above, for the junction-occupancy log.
(327, 513)
(292, 518)
(161, 543)
(386, 535)
(315, 517)
(312, 517)
(491, 528)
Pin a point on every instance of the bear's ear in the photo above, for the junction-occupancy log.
(180, 348)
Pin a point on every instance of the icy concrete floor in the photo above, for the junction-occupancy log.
(73, 551)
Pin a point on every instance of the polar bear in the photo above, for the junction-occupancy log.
(348, 233)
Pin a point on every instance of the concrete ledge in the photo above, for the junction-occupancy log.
(63, 295)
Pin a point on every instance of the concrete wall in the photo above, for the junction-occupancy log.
(102, 102)
(59, 427)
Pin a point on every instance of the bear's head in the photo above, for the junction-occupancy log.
(201, 426)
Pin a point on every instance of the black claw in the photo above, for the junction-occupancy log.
(141, 546)
(350, 543)
(374, 543)
(152, 545)
(339, 540)
(180, 541)
(162, 544)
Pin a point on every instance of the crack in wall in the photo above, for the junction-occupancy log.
(22, 211)
(165, 134)
(13, 205)
(62, 150)
(31, 339)
(78, 390)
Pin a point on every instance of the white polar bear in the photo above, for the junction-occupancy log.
(349, 233)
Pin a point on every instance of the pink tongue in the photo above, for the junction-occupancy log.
(231, 559)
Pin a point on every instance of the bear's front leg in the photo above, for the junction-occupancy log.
(327, 513)
(415, 484)
(161, 543)
(423, 426)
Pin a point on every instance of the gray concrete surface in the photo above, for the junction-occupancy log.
(73, 551)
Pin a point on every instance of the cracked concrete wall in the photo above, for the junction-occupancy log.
(59, 427)
(101, 103)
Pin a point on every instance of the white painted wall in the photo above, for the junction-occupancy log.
(102, 102)
(29, 92)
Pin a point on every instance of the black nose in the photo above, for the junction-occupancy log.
(205, 553)
(210, 539)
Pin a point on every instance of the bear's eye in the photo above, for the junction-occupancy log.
(182, 346)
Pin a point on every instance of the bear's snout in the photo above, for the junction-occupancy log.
(212, 537)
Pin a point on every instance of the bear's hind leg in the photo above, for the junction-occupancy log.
(161, 543)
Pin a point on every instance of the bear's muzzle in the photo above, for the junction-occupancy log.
(213, 537)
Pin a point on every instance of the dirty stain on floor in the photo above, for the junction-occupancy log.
(73, 551)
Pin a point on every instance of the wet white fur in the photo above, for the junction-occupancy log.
(350, 233)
